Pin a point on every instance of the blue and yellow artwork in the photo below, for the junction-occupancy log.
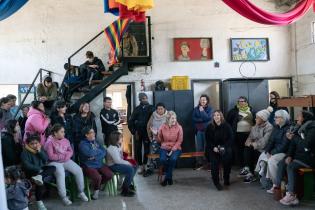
(249, 49)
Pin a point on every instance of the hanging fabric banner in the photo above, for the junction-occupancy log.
(254, 13)
(9, 7)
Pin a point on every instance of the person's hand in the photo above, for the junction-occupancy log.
(248, 143)
(201, 108)
(216, 150)
(268, 155)
(48, 120)
(39, 147)
(289, 135)
(288, 160)
(43, 98)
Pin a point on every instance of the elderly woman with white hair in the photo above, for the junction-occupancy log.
(170, 135)
(276, 148)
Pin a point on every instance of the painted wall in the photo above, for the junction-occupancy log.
(305, 55)
(45, 33)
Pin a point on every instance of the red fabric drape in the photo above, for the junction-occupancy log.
(254, 13)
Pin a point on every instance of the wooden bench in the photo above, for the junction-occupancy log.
(308, 183)
(183, 155)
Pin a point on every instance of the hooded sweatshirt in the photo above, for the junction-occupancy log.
(91, 154)
(155, 123)
(37, 122)
(58, 150)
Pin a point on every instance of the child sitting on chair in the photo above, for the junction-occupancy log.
(92, 156)
(59, 153)
(34, 160)
(117, 163)
(17, 189)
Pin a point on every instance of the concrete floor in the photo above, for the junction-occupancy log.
(192, 190)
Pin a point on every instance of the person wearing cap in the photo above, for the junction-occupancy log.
(255, 143)
(137, 125)
(47, 92)
(241, 118)
(276, 148)
(301, 154)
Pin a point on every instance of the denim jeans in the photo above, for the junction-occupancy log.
(169, 163)
(127, 170)
(200, 145)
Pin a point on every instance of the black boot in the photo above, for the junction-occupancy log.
(132, 188)
(170, 181)
(218, 186)
(164, 183)
(126, 192)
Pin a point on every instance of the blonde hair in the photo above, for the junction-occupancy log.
(169, 115)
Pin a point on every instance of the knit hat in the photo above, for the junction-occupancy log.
(284, 114)
(142, 95)
(263, 114)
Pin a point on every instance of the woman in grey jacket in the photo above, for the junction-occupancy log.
(255, 143)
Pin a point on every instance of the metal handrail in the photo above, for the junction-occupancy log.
(39, 74)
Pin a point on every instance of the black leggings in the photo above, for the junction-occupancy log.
(250, 158)
(240, 140)
(142, 138)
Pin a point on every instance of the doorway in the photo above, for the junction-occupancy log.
(122, 101)
(212, 88)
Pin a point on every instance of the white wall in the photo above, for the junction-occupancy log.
(45, 33)
(305, 55)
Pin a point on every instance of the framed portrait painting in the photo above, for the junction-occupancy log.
(249, 49)
(192, 49)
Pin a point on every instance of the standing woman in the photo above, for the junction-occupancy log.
(85, 118)
(170, 136)
(37, 121)
(201, 118)
(5, 113)
(60, 116)
(274, 97)
(219, 141)
(241, 119)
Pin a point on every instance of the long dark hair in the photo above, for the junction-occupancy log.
(58, 105)
(35, 105)
(114, 138)
(10, 126)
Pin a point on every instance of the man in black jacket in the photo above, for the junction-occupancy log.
(109, 119)
(137, 125)
(92, 69)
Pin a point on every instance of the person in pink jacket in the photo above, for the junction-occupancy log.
(37, 121)
(170, 135)
(59, 153)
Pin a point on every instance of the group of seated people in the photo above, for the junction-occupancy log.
(50, 146)
(53, 147)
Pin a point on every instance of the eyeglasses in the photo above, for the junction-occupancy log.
(241, 101)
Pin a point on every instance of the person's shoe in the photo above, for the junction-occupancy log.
(140, 170)
(38, 180)
(40, 205)
(132, 188)
(244, 171)
(218, 186)
(164, 183)
(249, 178)
(95, 195)
(272, 190)
(198, 167)
(66, 201)
(147, 173)
(127, 193)
(170, 181)
(289, 200)
(83, 197)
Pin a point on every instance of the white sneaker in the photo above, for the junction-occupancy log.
(289, 200)
(38, 179)
(95, 195)
(66, 201)
(271, 190)
(40, 205)
(83, 197)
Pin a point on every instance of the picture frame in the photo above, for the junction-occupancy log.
(249, 49)
(193, 49)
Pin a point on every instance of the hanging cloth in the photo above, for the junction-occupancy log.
(9, 7)
(110, 6)
(254, 13)
(137, 5)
